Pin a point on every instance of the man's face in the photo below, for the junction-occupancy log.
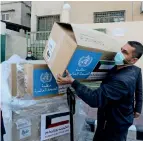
(29, 54)
(128, 52)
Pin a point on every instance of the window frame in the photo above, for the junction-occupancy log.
(109, 13)
(45, 17)
(5, 14)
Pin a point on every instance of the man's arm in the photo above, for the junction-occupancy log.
(105, 94)
(138, 94)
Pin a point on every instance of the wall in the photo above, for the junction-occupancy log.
(2, 28)
(15, 16)
(18, 16)
(128, 30)
(15, 42)
(82, 12)
(14, 33)
(5, 2)
(43, 8)
(137, 10)
(27, 3)
(85, 14)
(15, 45)
(25, 18)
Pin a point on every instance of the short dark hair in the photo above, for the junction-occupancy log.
(29, 51)
(139, 48)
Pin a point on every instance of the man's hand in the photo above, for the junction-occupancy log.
(136, 115)
(65, 80)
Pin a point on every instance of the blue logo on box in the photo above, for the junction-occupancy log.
(82, 63)
(44, 83)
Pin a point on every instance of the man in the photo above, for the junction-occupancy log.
(116, 93)
(101, 118)
(29, 56)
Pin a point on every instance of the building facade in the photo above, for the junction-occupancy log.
(18, 12)
(45, 13)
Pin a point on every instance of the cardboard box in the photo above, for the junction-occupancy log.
(77, 49)
(13, 80)
(16, 81)
(40, 82)
(28, 127)
(101, 70)
(25, 122)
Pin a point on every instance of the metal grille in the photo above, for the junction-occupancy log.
(36, 42)
(46, 23)
(108, 17)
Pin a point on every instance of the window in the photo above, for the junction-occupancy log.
(109, 16)
(5, 16)
(142, 7)
(46, 23)
(103, 30)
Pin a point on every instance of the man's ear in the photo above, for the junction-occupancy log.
(134, 60)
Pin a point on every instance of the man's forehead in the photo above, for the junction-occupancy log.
(128, 47)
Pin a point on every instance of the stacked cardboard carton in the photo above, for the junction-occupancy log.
(25, 124)
(36, 80)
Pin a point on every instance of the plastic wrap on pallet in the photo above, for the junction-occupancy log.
(79, 119)
(85, 117)
(5, 90)
(20, 79)
(27, 114)
(84, 124)
(6, 95)
(85, 134)
(18, 104)
(23, 111)
(18, 110)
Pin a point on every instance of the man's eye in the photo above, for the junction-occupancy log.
(125, 52)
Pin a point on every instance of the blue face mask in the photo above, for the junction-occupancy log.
(119, 58)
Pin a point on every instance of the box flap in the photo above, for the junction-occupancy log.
(68, 29)
(64, 25)
(91, 38)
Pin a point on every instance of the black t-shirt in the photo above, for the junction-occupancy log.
(31, 58)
